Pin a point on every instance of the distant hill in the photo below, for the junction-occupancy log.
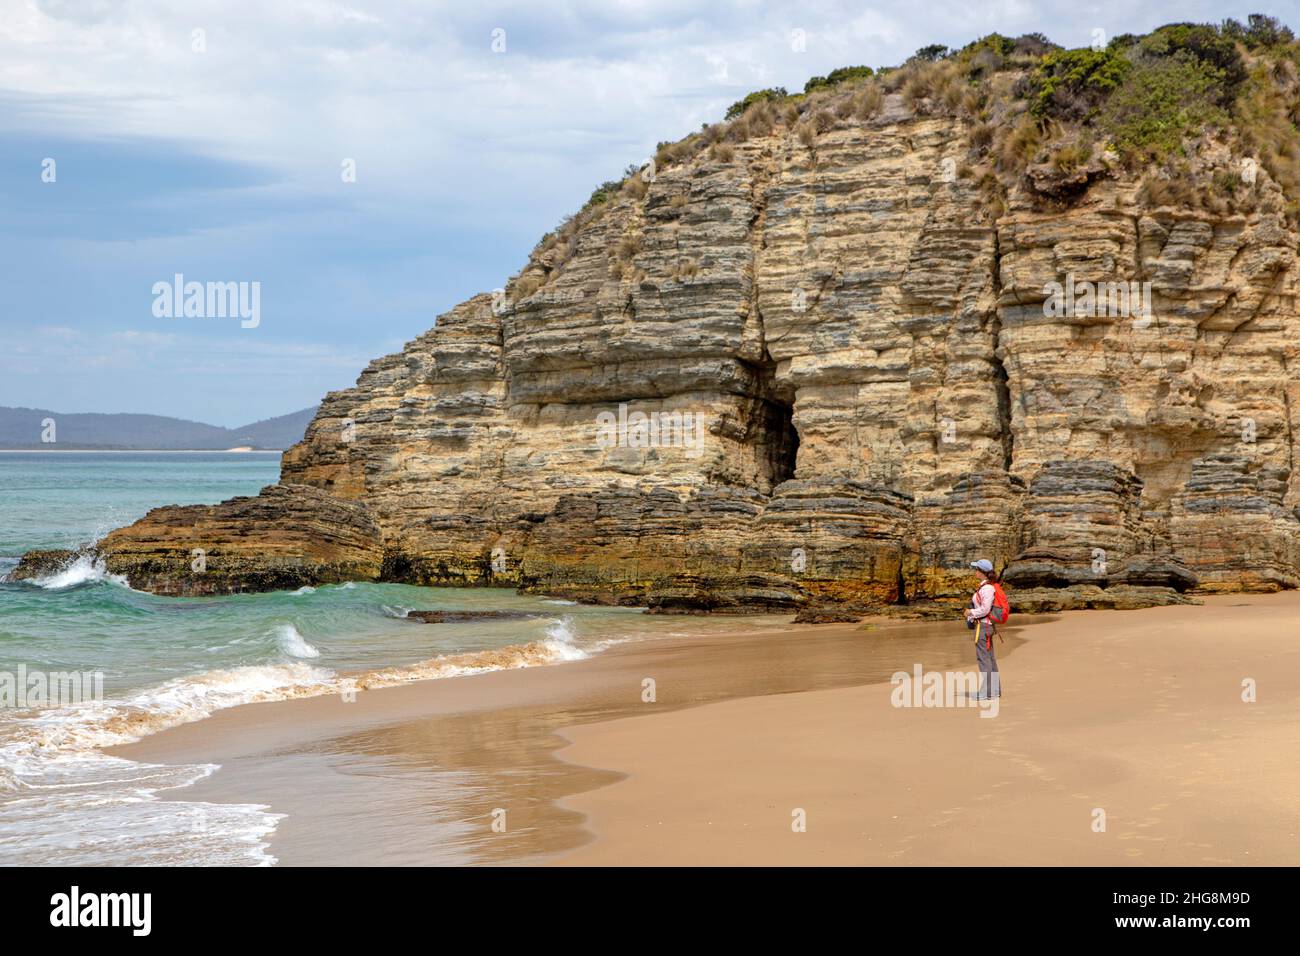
(22, 428)
(279, 432)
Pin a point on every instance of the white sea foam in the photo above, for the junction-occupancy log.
(92, 724)
(561, 641)
(80, 730)
(293, 643)
(61, 804)
(305, 589)
(58, 787)
(85, 569)
(59, 793)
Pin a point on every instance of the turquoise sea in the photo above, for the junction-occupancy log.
(157, 662)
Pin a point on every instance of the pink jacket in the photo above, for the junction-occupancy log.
(982, 601)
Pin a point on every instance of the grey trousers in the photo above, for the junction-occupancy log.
(987, 658)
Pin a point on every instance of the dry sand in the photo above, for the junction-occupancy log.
(1136, 713)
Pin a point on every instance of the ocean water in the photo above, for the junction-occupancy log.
(153, 662)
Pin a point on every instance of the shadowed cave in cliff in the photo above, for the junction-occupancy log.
(783, 442)
(772, 430)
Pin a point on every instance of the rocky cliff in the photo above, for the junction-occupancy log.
(828, 357)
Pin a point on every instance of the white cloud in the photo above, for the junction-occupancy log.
(455, 146)
(412, 90)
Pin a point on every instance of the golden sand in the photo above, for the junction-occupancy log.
(1131, 718)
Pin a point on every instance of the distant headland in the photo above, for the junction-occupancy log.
(39, 429)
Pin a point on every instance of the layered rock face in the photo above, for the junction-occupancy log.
(814, 375)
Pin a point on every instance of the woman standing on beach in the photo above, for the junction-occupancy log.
(980, 616)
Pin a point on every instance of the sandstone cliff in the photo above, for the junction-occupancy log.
(836, 319)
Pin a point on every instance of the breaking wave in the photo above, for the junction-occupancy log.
(293, 643)
(86, 568)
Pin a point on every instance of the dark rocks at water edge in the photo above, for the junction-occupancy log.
(284, 538)
(42, 564)
(463, 617)
(827, 616)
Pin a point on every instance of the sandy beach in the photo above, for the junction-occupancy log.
(1137, 715)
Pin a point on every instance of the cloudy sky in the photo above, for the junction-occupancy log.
(209, 138)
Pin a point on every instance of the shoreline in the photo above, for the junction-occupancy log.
(1137, 713)
(460, 739)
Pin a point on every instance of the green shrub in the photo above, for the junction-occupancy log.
(1162, 100)
(1260, 31)
(935, 51)
(844, 74)
(985, 56)
(1217, 53)
(1003, 46)
(604, 193)
(758, 96)
(1072, 84)
(1034, 44)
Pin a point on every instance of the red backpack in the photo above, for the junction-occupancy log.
(1001, 609)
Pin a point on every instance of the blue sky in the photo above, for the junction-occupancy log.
(219, 155)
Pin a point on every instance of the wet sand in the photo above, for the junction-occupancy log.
(413, 773)
(1138, 713)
